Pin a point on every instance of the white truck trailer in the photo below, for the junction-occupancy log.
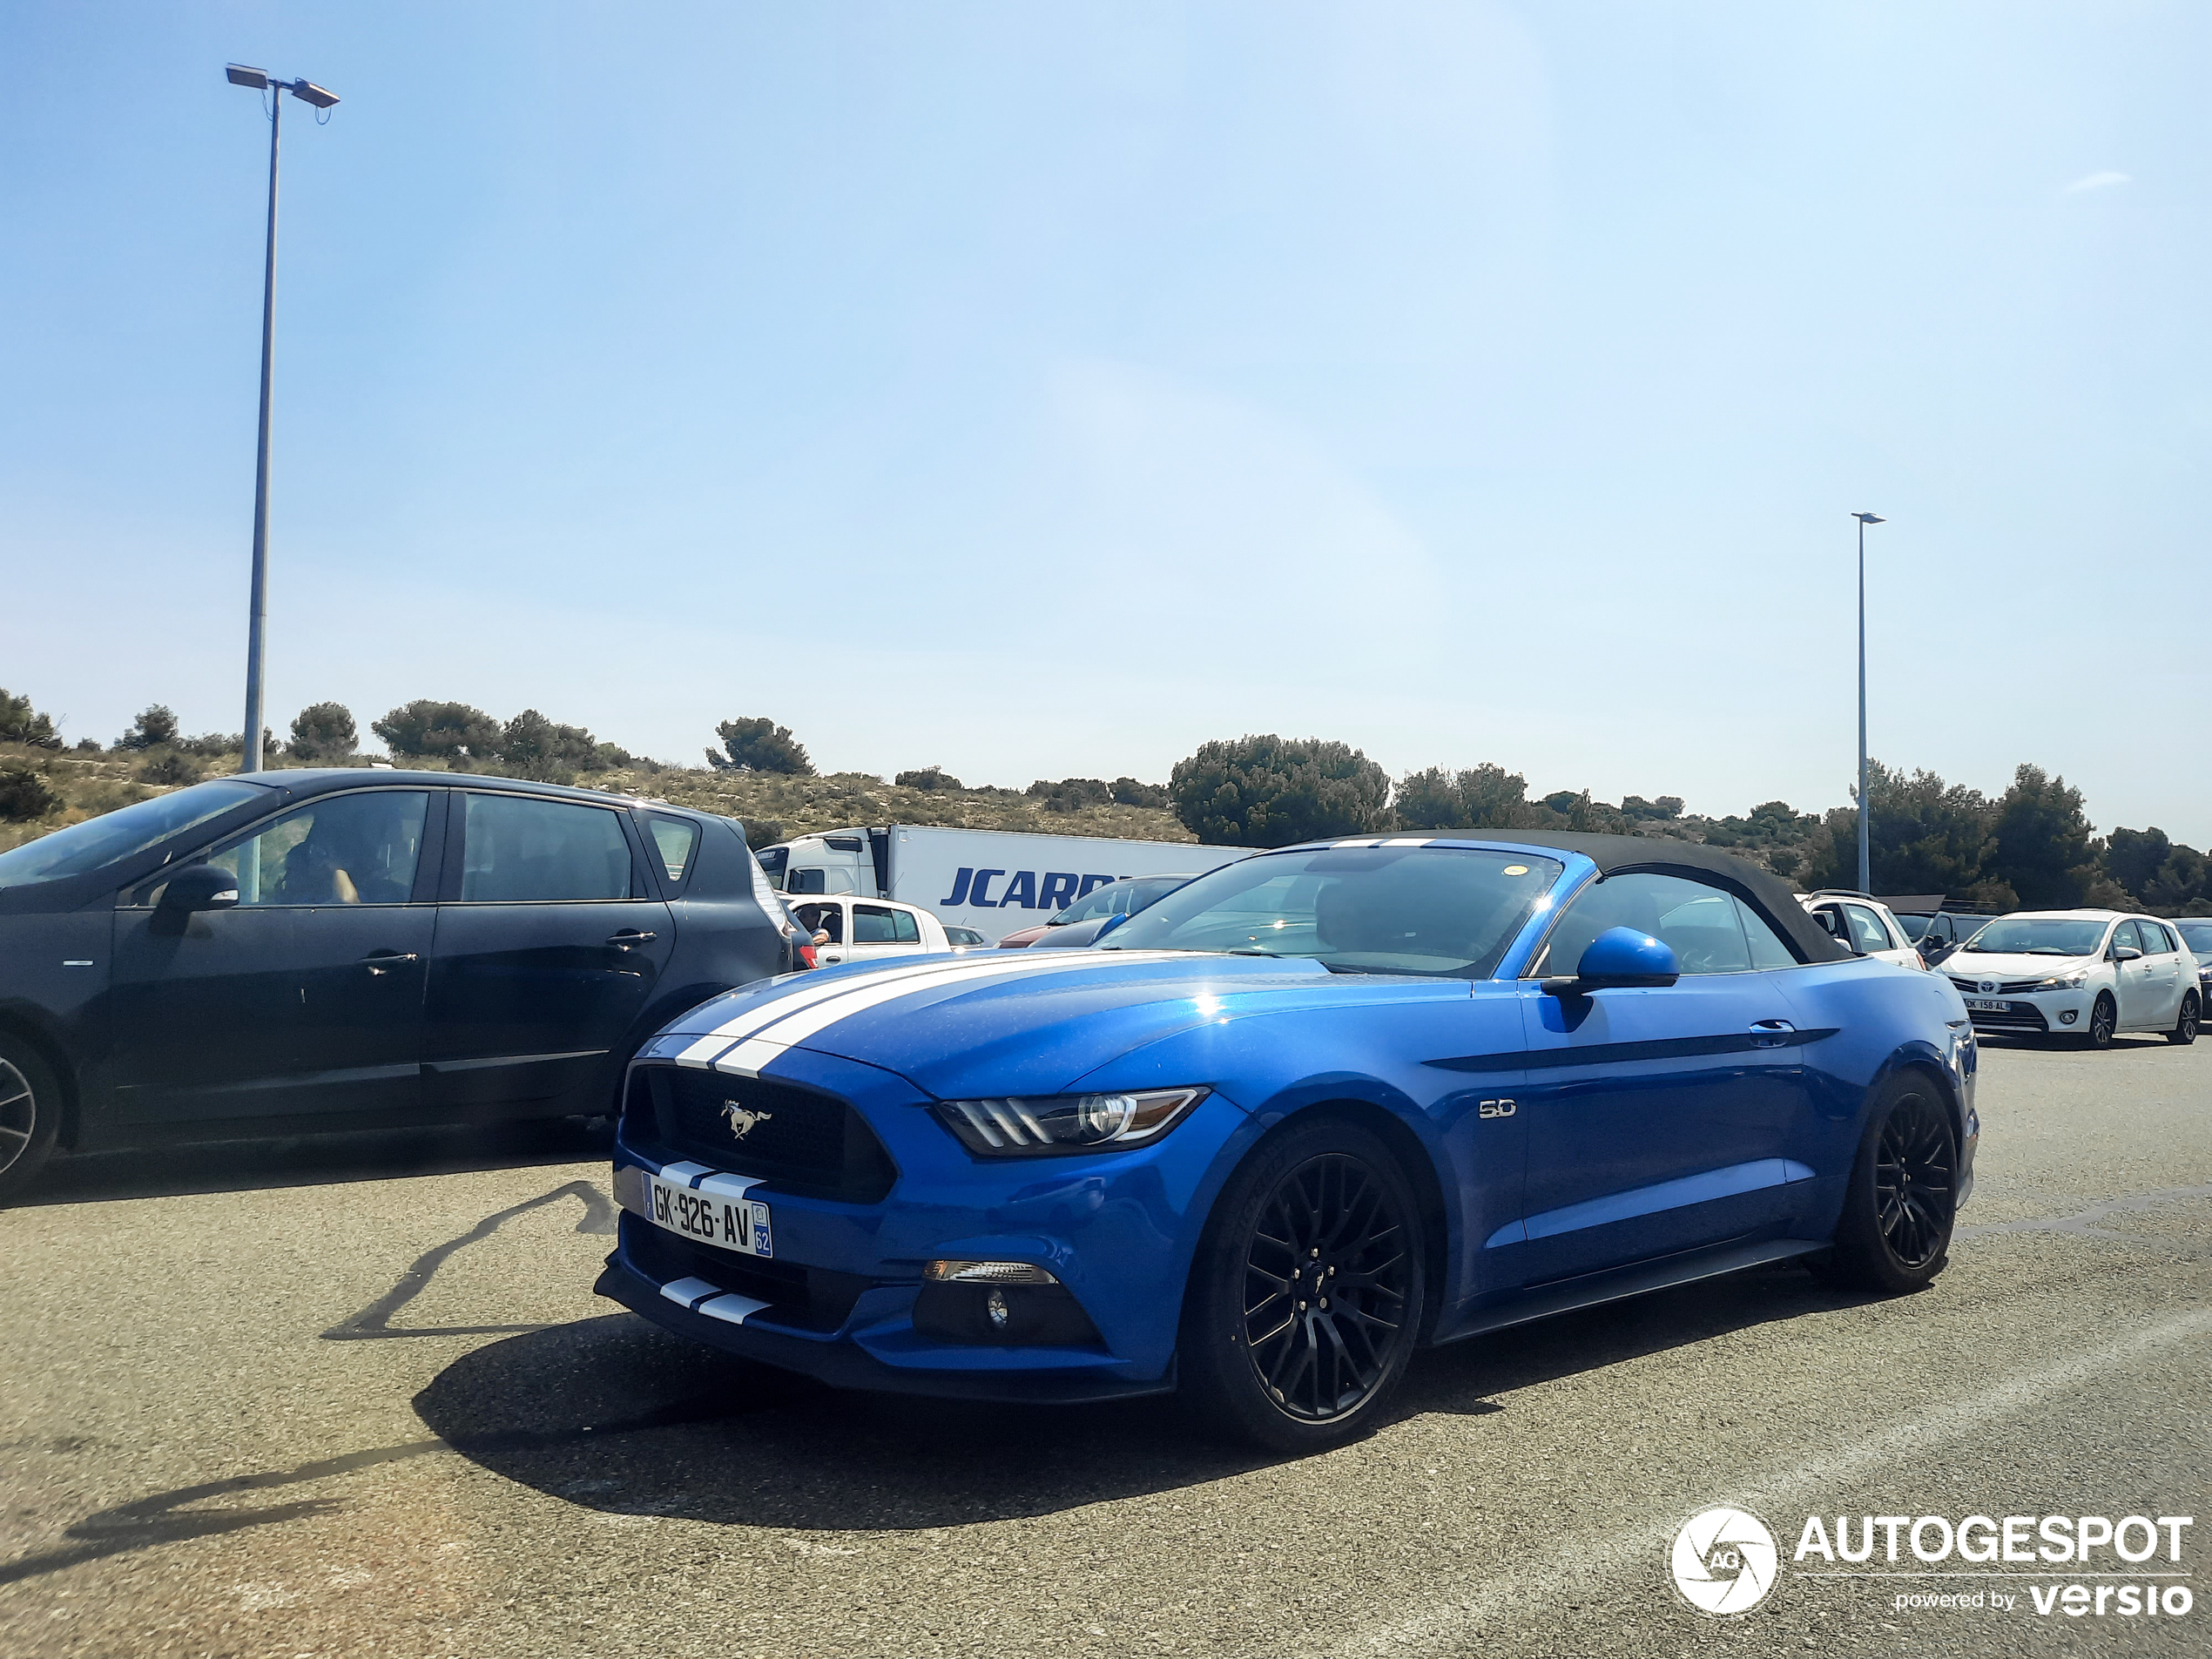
(992, 880)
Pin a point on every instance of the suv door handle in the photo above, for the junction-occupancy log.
(1771, 1034)
(630, 937)
(379, 962)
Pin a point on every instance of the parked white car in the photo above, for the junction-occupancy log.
(860, 930)
(2086, 973)
(1867, 926)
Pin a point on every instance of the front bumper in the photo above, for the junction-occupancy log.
(2033, 1013)
(838, 1299)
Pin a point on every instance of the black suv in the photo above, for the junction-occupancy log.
(289, 951)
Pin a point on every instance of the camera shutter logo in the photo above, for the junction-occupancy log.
(1724, 1561)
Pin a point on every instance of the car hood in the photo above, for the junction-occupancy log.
(1033, 1023)
(1981, 965)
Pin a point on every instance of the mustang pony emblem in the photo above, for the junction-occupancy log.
(742, 1118)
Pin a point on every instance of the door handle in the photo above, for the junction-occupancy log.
(630, 937)
(1771, 1034)
(380, 962)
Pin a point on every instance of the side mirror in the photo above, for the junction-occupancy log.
(2125, 953)
(1619, 957)
(199, 886)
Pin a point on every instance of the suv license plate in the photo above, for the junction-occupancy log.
(741, 1224)
(1984, 1005)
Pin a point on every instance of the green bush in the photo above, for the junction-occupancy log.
(759, 746)
(24, 793)
(1271, 791)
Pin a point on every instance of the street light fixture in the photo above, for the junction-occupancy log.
(1865, 860)
(306, 92)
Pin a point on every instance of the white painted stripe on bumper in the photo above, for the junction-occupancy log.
(698, 1296)
(688, 1173)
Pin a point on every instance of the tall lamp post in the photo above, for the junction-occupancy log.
(1865, 859)
(257, 624)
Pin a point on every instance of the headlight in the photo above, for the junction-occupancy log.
(2062, 981)
(1041, 1126)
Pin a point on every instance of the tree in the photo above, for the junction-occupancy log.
(543, 749)
(2042, 840)
(452, 731)
(2133, 856)
(1129, 792)
(1270, 791)
(1638, 810)
(759, 746)
(1484, 797)
(156, 724)
(24, 794)
(935, 780)
(324, 731)
(20, 723)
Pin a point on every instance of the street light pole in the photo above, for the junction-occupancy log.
(258, 615)
(1865, 860)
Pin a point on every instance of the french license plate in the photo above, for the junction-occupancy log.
(740, 1224)
(1987, 1005)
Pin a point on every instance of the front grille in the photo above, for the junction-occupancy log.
(2004, 988)
(2020, 1016)
(804, 1298)
(797, 1141)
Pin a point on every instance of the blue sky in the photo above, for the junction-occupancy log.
(1038, 389)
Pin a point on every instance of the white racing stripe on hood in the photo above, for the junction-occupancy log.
(744, 1045)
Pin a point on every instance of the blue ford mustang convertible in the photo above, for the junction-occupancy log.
(1313, 1110)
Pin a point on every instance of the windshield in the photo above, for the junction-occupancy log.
(1123, 897)
(1447, 911)
(103, 840)
(2197, 935)
(2038, 936)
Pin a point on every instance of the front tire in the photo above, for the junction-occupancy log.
(30, 1115)
(1306, 1294)
(1894, 1234)
(2104, 1021)
(2184, 1031)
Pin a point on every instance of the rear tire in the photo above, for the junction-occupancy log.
(1307, 1294)
(2104, 1021)
(1894, 1234)
(31, 1117)
(2184, 1031)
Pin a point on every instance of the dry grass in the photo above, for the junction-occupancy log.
(91, 784)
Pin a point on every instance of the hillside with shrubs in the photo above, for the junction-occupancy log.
(2032, 846)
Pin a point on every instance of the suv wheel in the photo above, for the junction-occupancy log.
(1306, 1298)
(2104, 1020)
(31, 1102)
(1895, 1231)
(2184, 1031)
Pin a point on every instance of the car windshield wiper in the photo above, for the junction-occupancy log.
(1248, 950)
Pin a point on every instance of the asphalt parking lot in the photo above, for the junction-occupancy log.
(357, 1398)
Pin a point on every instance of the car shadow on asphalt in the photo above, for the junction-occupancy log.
(320, 1160)
(617, 1416)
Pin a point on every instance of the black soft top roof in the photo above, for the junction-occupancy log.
(1767, 894)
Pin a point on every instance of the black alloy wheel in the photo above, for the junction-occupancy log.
(2184, 1031)
(1328, 1281)
(1916, 1182)
(2104, 1020)
(1894, 1233)
(1305, 1298)
(28, 1117)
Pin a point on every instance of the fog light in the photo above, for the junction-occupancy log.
(2068, 1017)
(965, 1273)
(994, 1305)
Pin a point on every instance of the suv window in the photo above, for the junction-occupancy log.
(675, 840)
(1866, 930)
(356, 848)
(2156, 940)
(905, 928)
(522, 851)
(1705, 927)
(873, 925)
(2125, 935)
(823, 919)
